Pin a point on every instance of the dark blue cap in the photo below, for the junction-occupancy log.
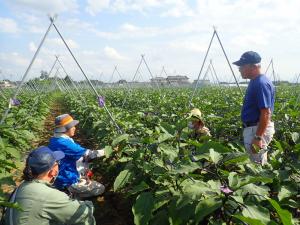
(43, 158)
(248, 58)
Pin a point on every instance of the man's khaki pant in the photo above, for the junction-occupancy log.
(249, 133)
(86, 188)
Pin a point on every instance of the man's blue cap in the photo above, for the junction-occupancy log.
(43, 158)
(249, 57)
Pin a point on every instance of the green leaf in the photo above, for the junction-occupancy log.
(249, 221)
(285, 192)
(139, 188)
(185, 168)
(260, 192)
(215, 156)
(206, 207)
(214, 145)
(257, 212)
(160, 218)
(295, 137)
(142, 209)
(235, 158)
(169, 151)
(285, 216)
(122, 179)
(13, 152)
(27, 134)
(233, 179)
(237, 182)
(10, 205)
(162, 197)
(108, 151)
(250, 179)
(164, 137)
(7, 180)
(119, 139)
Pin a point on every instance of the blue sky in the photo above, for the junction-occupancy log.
(171, 33)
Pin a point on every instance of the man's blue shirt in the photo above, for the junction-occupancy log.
(260, 94)
(68, 173)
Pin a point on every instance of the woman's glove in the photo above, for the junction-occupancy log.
(92, 154)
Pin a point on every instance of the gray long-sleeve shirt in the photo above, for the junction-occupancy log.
(44, 205)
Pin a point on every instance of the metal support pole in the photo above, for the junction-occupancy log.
(89, 82)
(196, 85)
(214, 72)
(127, 87)
(136, 72)
(28, 69)
(57, 59)
(237, 83)
(143, 58)
(2, 93)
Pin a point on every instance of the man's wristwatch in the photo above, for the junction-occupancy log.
(256, 137)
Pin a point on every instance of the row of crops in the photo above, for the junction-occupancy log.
(19, 132)
(172, 178)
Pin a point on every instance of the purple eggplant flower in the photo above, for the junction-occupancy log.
(101, 101)
(225, 189)
(14, 102)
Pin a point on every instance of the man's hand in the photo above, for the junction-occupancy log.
(256, 145)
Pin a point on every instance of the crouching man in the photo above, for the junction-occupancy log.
(40, 202)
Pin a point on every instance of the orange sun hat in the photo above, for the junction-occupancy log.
(64, 122)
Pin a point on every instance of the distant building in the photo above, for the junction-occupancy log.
(122, 82)
(202, 82)
(161, 81)
(5, 84)
(178, 80)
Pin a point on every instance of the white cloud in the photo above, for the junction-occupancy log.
(8, 25)
(131, 31)
(96, 6)
(32, 47)
(42, 7)
(56, 43)
(174, 8)
(129, 27)
(253, 39)
(13, 59)
(177, 9)
(113, 53)
(187, 45)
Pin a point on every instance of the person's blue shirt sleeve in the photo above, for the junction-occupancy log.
(264, 96)
(74, 150)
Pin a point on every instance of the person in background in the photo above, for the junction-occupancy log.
(197, 125)
(73, 170)
(39, 201)
(257, 108)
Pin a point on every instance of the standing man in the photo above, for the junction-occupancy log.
(257, 108)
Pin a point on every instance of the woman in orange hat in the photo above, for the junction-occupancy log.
(73, 170)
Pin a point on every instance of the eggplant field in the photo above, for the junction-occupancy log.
(143, 113)
(167, 176)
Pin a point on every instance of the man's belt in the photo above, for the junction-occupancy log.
(249, 124)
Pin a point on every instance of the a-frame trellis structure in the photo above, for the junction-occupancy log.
(52, 24)
(215, 34)
(137, 72)
(271, 65)
(116, 71)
